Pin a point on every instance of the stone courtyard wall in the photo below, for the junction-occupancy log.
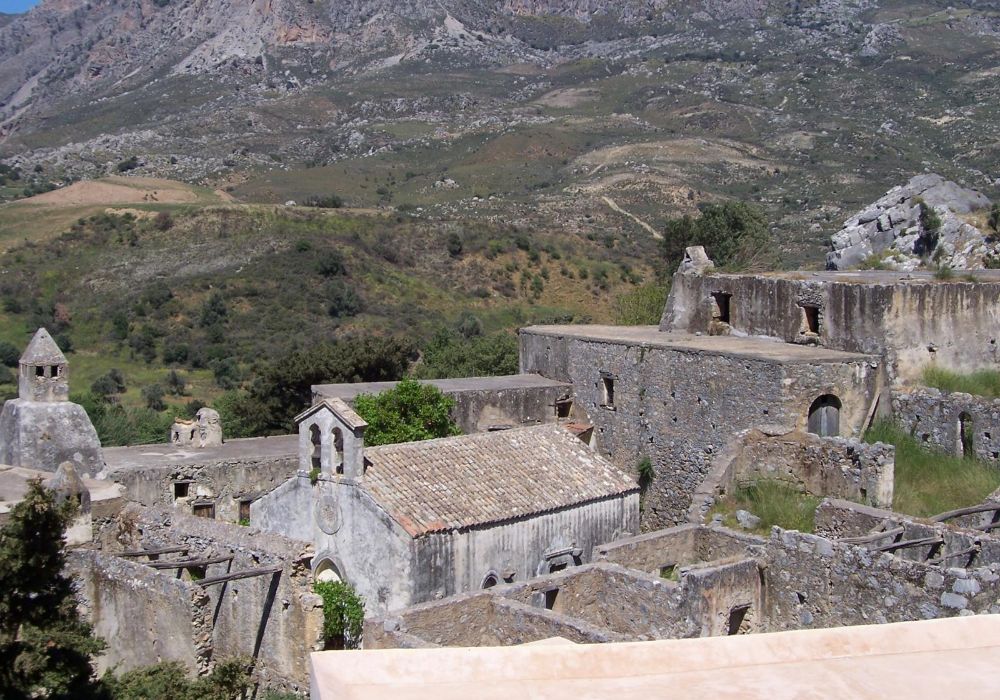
(680, 407)
(934, 417)
(837, 467)
(225, 482)
(274, 618)
(144, 615)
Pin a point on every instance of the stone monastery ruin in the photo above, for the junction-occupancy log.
(537, 523)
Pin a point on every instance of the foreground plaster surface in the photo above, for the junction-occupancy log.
(955, 657)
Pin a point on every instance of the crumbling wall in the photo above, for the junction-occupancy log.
(936, 418)
(680, 406)
(479, 619)
(144, 615)
(273, 617)
(226, 483)
(837, 467)
(908, 322)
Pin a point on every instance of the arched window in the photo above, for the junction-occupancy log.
(327, 571)
(338, 451)
(490, 581)
(965, 435)
(317, 446)
(824, 416)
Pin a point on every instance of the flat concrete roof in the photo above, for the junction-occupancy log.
(14, 484)
(869, 276)
(766, 349)
(140, 456)
(948, 658)
(348, 392)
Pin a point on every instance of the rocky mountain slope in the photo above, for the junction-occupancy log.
(581, 115)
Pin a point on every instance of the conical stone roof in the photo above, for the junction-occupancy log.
(42, 350)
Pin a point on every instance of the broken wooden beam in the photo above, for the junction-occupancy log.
(904, 544)
(873, 537)
(153, 552)
(238, 575)
(185, 563)
(970, 510)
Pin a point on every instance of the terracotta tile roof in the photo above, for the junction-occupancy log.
(456, 482)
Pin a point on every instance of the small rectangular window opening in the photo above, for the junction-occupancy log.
(204, 510)
(181, 489)
(563, 409)
(551, 597)
(722, 302)
(245, 510)
(736, 617)
(811, 315)
(607, 391)
(669, 572)
(39, 371)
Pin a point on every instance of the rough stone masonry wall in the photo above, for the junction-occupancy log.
(680, 407)
(144, 616)
(836, 467)
(276, 619)
(935, 418)
(226, 482)
(679, 547)
(907, 322)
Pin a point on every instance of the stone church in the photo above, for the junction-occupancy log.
(417, 521)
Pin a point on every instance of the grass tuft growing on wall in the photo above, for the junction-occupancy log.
(984, 382)
(773, 502)
(929, 481)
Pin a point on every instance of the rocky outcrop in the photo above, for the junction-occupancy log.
(898, 231)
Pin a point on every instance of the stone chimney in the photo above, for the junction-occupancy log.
(44, 372)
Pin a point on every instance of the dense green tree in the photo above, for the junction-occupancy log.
(153, 395)
(735, 236)
(109, 384)
(10, 355)
(410, 411)
(452, 354)
(45, 647)
(284, 387)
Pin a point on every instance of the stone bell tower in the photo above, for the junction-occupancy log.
(42, 428)
(44, 372)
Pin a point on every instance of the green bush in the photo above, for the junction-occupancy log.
(329, 201)
(643, 306)
(735, 235)
(10, 355)
(453, 354)
(343, 614)
(168, 680)
(153, 396)
(410, 411)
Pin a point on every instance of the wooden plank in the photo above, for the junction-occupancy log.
(238, 575)
(184, 563)
(153, 552)
(873, 537)
(919, 542)
(971, 510)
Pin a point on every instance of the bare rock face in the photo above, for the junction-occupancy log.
(891, 231)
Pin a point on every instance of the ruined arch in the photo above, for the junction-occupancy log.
(489, 580)
(824, 416)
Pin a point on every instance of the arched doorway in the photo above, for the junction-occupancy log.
(824, 416)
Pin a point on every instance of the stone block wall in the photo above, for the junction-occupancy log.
(936, 418)
(678, 547)
(144, 615)
(680, 407)
(226, 483)
(837, 467)
(274, 618)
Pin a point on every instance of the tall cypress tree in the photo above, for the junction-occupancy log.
(45, 646)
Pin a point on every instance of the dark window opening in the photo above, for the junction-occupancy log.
(204, 510)
(196, 573)
(669, 572)
(317, 446)
(824, 416)
(245, 510)
(39, 371)
(737, 616)
(965, 434)
(563, 409)
(338, 451)
(551, 598)
(811, 315)
(722, 305)
(181, 489)
(553, 568)
(490, 581)
(607, 391)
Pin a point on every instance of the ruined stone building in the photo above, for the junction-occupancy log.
(42, 428)
(415, 521)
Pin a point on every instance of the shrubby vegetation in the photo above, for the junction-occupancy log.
(735, 235)
(984, 382)
(466, 352)
(929, 481)
(410, 411)
(343, 614)
(774, 502)
(643, 306)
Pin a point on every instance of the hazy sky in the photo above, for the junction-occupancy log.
(17, 5)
